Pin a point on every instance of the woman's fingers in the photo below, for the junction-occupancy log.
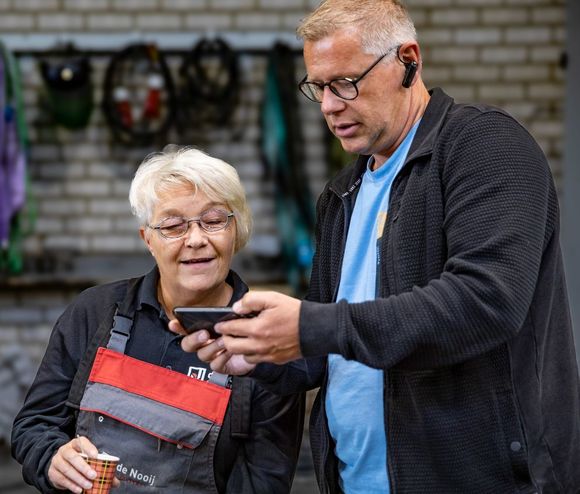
(69, 470)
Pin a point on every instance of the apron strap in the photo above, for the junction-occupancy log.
(120, 332)
(223, 380)
(77, 388)
(123, 318)
(241, 407)
(100, 338)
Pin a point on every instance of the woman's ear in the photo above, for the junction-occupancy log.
(146, 240)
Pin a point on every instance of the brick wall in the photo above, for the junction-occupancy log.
(504, 52)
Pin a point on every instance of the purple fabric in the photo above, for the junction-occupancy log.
(2, 97)
(4, 192)
(12, 160)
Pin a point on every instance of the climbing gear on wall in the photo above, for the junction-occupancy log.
(282, 151)
(16, 205)
(209, 83)
(139, 100)
(68, 87)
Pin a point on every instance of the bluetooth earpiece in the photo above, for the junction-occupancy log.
(410, 71)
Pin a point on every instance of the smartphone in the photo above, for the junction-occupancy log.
(196, 318)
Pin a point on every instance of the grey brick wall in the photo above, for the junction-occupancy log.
(504, 52)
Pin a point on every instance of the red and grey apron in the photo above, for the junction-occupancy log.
(162, 424)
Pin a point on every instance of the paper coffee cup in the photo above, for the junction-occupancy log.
(105, 465)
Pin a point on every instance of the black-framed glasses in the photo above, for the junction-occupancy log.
(343, 87)
(210, 221)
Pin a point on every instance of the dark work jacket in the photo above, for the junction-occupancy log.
(263, 462)
(472, 324)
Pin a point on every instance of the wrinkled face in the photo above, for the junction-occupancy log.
(193, 267)
(374, 122)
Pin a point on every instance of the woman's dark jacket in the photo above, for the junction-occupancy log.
(264, 462)
(472, 325)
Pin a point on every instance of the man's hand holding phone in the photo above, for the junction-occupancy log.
(197, 323)
(194, 319)
(272, 337)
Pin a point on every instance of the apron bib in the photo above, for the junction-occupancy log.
(162, 424)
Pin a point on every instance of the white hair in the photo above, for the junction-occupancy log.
(189, 166)
(381, 24)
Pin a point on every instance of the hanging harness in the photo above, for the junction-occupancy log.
(163, 424)
(282, 154)
(134, 117)
(68, 87)
(210, 96)
(17, 212)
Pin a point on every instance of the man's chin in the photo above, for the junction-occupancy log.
(351, 147)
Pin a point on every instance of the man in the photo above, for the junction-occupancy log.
(437, 322)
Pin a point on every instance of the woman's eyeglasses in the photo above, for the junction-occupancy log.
(210, 221)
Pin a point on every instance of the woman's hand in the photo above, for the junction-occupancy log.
(69, 470)
(212, 351)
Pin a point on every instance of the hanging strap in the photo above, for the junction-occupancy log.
(223, 380)
(241, 407)
(123, 318)
(81, 377)
(120, 332)
(13, 149)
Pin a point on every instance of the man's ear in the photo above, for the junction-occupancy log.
(409, 55)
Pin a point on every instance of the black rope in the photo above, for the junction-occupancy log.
(210, 82)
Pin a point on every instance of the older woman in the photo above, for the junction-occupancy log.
(114, 379)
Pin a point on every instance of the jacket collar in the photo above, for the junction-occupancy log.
(349, 179)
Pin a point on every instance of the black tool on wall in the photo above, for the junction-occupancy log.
(209, 83)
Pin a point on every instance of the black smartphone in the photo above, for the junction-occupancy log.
(196, 318)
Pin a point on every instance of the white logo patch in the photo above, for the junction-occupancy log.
(197, 372)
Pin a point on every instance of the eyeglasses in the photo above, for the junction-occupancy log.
(210, 221)
(343, 87)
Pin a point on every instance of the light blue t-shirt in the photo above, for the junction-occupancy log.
(354, 401)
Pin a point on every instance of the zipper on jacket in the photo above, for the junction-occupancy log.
(325, 452)
(389, 260)
(325, 469)
(386, 401)
(347, 215)
(387, 415)
(383, 287)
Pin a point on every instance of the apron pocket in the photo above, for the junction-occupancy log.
(147, 463)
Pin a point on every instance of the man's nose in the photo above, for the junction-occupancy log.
(330, 103)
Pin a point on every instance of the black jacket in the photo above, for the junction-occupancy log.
(264, 462)
(472, 325)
